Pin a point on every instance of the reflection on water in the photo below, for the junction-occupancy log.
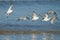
(48, 36)
(33, 36)
(43, 36)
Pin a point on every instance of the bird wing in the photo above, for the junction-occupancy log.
(27, 17)
(52, 12)
(34, 14)
(55, 13)
(52, 20)
(11, 6)
(46, 15)
(10, 9)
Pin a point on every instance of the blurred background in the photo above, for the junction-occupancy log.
(25, 8)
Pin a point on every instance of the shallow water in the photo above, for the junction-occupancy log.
(28, 37)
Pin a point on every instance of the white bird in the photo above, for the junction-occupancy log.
(51, 19)
(34, 16)
(10, 10)
(55, 16)
(46, 18)
(52, 12)
(23, 18)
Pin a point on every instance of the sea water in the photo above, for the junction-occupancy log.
(28, 37)
(25, 8)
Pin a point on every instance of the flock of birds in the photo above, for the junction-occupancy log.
(34, 16)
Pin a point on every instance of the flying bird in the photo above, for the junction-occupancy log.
(47, 18)
(53, 19)
(23, 18)
(10, 10)
(52, 12)
(34, 16)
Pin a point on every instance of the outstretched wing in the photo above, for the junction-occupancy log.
(43, 16)
(11, 6)
(52, 12)
(27, 17)
(46, 15)
(34, 14)
(52, 20)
